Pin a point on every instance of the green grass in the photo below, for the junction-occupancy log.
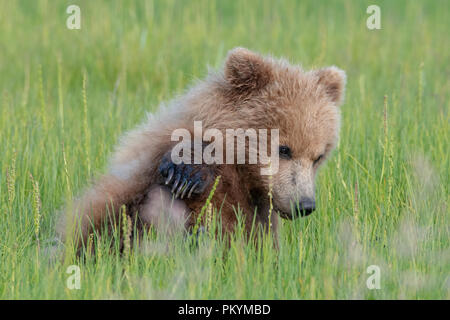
(68, 95)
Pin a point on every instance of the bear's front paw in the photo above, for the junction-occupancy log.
(185, 179)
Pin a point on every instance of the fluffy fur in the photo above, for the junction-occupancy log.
(251, 92)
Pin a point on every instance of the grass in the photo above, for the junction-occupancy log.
(68, 95)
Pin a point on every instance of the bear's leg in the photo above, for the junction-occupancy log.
(162, 211)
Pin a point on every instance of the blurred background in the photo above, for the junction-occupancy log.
(68, 95)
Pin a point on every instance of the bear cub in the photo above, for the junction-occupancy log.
(251, 92)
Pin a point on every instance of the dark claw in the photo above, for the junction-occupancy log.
(186, 189)
(165, 166)
(184, 180)
(180, 188)
(193, 188)
(177, 181)
(169, 177)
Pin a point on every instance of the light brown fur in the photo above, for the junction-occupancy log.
(252, 92)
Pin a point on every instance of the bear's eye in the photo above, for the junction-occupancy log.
(285, 152)
(318, 159)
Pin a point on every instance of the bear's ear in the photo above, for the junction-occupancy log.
(246, 70)
(333, 80)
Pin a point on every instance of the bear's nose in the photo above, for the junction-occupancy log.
(306, 207)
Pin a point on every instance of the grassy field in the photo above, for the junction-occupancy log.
(68, 95)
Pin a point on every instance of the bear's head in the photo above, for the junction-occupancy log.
(303, 105)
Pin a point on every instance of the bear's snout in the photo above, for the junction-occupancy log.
(305, 207)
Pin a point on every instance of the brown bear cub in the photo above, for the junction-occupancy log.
(252, 92)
